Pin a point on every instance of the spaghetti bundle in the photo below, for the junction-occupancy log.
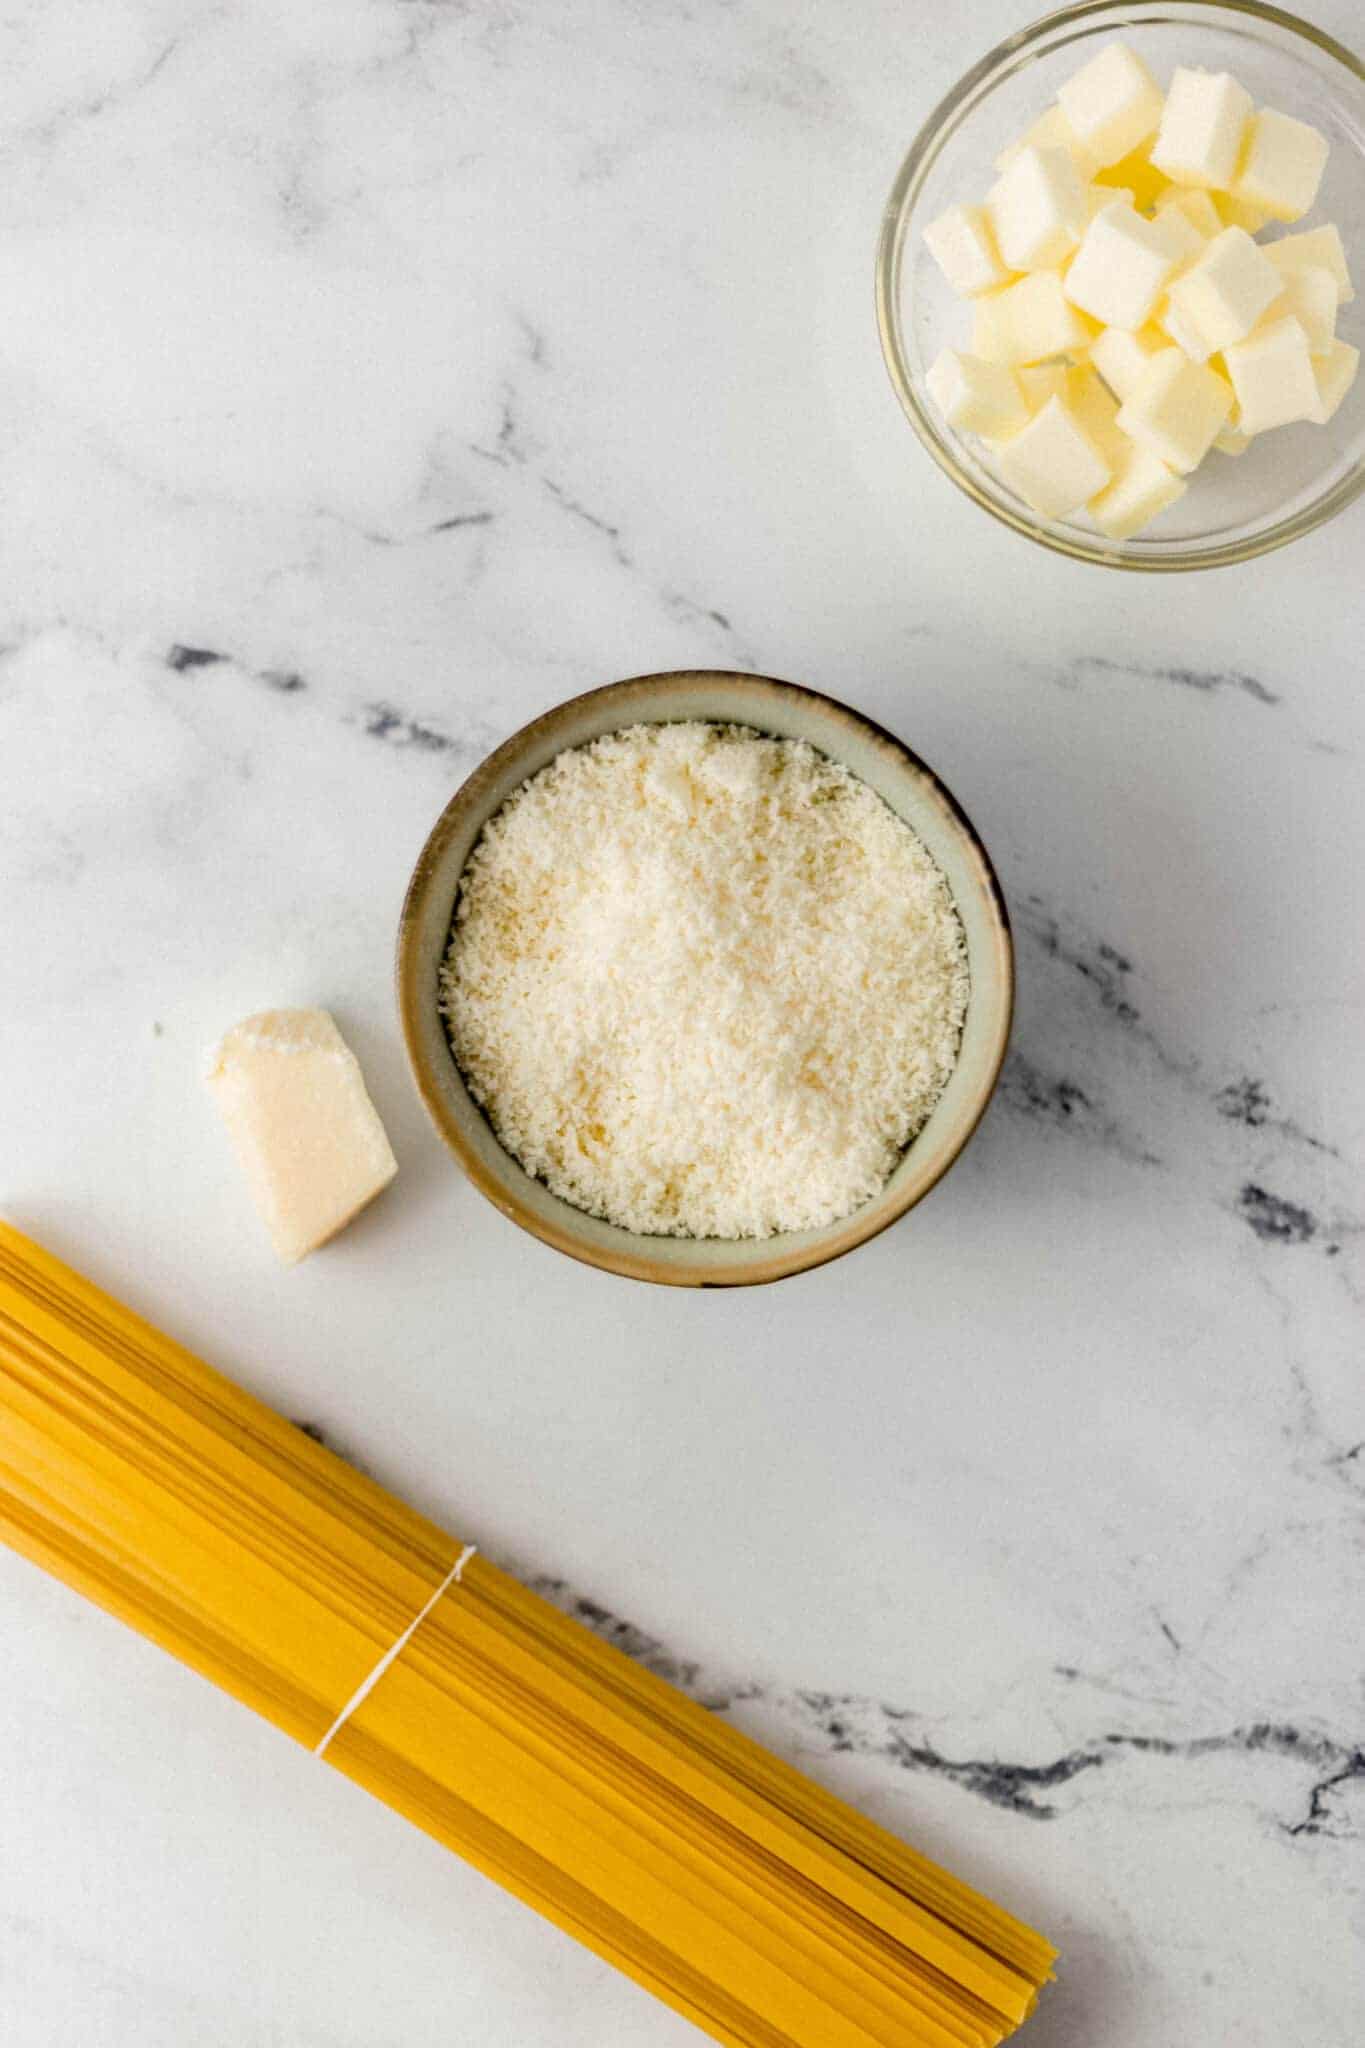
(743, 1895)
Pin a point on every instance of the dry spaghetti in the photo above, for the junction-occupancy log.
(741, 1893)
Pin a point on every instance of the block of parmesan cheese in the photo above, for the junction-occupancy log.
(305, 1132)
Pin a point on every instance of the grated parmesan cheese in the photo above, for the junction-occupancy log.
(703, 983)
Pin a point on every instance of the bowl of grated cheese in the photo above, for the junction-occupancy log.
(705, 978)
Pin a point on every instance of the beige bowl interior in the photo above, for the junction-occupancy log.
(786, 712)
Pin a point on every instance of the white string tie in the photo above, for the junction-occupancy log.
(367, 1685)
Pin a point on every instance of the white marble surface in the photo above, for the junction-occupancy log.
(415, 365)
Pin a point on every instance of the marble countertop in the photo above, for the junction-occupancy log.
(374, 374)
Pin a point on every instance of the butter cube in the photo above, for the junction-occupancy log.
(1097, 197)
(305, 1132)
(1117, 273)
(1282, 165)
(1052, 463)
(1272, 374)
(1311, 296)
(1239, 213)
(1173, 224)
(1176, 409)
(1027, 321)
(1112, 104)
(1232, 441)
(1182, 332)
(1121, 356)
(961, 243)
(1037, 208)
(1335, 374)
(1041, 382)
(1222, 296)
(1135, 175)
(1143, 487)
(1093, 405)
(1203, 122)
(1051, 130)
(1313, 248)
(1037, 383)
(979, 397)
(1197, 207)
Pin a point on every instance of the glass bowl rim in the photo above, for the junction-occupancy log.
(915, 166)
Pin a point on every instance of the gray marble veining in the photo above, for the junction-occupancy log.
(372, 376)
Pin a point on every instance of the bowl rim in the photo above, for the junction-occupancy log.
(915, 165)
(469, 808)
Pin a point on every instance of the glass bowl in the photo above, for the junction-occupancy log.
(1287, 482)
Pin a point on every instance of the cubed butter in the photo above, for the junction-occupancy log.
(1037, 383)
(1335, 374)
(1037, 209)
(1199, 141)
(1041, 381)
(1112, 104)
(975, 396)
(1027, 321)
(1239, 213)
(1173, 224)
(1314, 248)
(1118, 272)
(1282, 165)
(1142, 488)
(961, 243)
(305, 1132)
(1148, 325)
(1097, 197)
(1052, 463)
(1197, 207)
(1093, 404)
(1222, 296)
(1051, 130)
(1311, 296)
(1121, 356)
(1182, 332)
(1272, 375)
(1176, 409)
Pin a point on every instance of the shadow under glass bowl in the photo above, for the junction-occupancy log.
(783, 711)
(1287, 482)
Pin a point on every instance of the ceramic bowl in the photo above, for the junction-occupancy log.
(1287, 482)
(783, 711)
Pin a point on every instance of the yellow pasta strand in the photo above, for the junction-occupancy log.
(747, 1898)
